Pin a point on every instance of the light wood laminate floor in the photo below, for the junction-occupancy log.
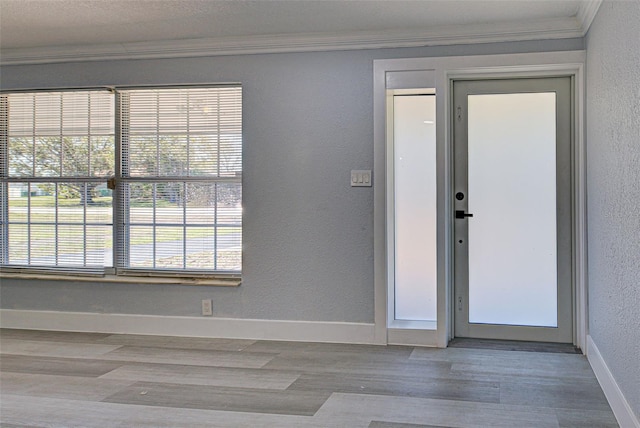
(107, 380)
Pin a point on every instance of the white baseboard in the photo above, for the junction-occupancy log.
(621, 408)
(311, 331)
(412, 337)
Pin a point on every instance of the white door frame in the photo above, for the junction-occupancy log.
(439, 73)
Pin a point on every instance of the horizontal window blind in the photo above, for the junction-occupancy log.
(180, 191)
(58, 151)
(182, 132)
(175, 206)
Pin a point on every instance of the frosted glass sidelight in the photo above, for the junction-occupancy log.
(415, 207)
(512, 195)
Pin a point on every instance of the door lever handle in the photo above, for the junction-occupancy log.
(462, 214)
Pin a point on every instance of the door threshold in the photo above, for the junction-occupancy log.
(514, 345)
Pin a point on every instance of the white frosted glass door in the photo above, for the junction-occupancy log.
(414, 156)
(512, 195)
(512, 209)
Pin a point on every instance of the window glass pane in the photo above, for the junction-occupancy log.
(102, 114)
(48, 114)
(42, 245)
(60, 224)
(163, 156)
(19, 202)
(140, 195)
(201, 203)
(229, 203)
(229, 248)
(415, 207)
(52, 130)
(43, 204)
(102, 159)
(141, 246)
(230, 155)
(169, 247)
(176, 132)
(21, 156)
(143, 112)
(169, 199)
(512, 195)
(75, 114)
(71, 245)
(157, 214)
(47, 156)
(18, 244)
(173, 109)
(143, 156)
(208, 203)
(173, 156)
(203, 155)
(99, 241)
(75, 156)
(201, 248)
(21, 115)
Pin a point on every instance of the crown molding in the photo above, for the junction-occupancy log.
(284, 43)
(586, 14)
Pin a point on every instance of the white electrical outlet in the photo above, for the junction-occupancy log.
(207, 308)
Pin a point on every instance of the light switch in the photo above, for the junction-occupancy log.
(361, 178)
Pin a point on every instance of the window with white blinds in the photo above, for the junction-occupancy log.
(57, 152)
(175, 156)
(181, 188)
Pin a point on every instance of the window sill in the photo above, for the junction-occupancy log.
(128, 279)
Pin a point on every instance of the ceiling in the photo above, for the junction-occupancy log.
(68, 30)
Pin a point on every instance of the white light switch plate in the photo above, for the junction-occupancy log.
(361, 178)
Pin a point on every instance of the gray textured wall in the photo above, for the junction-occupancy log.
(308, 236)
(613, 173)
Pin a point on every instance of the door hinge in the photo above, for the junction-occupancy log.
(459, 113)
(459, 303)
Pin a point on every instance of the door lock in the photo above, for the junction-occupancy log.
(462, 214)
